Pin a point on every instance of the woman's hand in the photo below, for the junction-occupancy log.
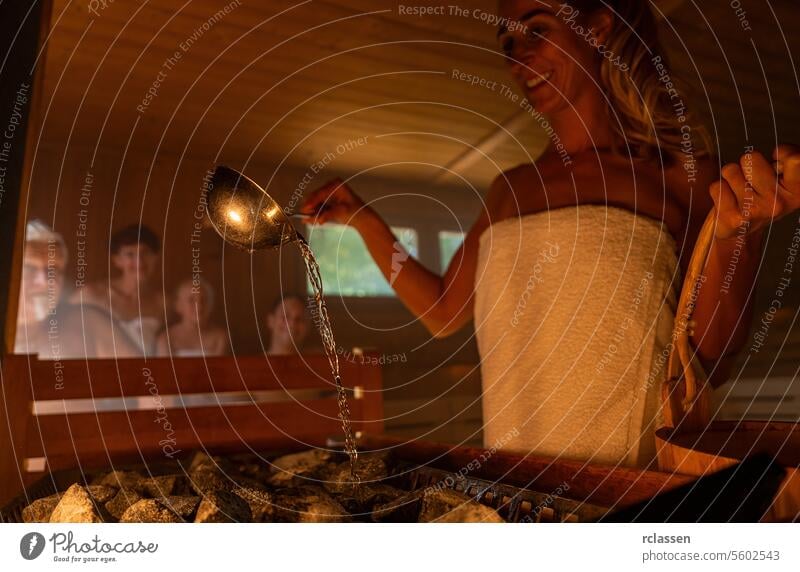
(755, 192)
(333, 202)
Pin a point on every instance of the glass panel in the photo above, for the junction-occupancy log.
(449, 243)
(346, 265)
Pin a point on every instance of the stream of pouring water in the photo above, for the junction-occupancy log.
(329, 344)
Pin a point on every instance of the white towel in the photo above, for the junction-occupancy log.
(573, 316)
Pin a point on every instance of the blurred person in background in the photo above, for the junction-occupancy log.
(193, 334)
(288, 325)
(50, 327)
(131, 295)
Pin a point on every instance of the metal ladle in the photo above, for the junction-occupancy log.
(245, 216)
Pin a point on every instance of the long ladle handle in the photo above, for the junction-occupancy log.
(686, 392)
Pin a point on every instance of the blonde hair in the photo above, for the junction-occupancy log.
(39, 232)
(650, 119)
(195, 284)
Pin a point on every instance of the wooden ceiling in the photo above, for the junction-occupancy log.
(285, 82)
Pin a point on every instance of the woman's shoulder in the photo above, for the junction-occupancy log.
(648, 187)
(603, 178)
(546, 184)
(510, 188)
(524, 173)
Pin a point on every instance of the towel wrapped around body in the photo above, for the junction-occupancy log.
(573, 316)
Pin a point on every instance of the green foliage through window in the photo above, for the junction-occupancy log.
(449, 243)
(346, 265)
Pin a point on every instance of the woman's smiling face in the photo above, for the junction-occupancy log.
(553, 66)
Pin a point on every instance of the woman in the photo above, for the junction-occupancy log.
(193, 335)
(132, 296)
(572, 270)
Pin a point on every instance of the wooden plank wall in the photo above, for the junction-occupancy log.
(433, 385)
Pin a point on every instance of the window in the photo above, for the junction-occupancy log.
(449, 243)
(345, 263)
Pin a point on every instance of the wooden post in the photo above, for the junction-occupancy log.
(23, 29)
(15, 402)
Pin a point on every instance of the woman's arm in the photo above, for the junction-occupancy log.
(442, 303)
(747, 199)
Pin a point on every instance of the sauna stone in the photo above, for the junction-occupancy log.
(362, 503)
(123, 500)
(250, 465)
(451, 506)
(130, 480)
(260, 502)
(205, 481)
(308, 504)
(303, 461)
(164, 486)
(40, 509)
(202, 462)
(371, 469)
(247, 483)
(404, 508)
(101, 493)
(223, 506)
(183, 506)
(313, 464)
(75, 506)
(207, 474)
(254, 471)
(149, 510)
(317, 487)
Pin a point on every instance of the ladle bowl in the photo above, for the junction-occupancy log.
(244, 215)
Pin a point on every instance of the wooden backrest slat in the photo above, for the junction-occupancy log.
(117, 435)
(233, 404)
(72, 379)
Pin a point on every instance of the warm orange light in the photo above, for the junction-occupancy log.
(234, 216)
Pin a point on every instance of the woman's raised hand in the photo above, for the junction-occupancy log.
(754, 192)
(333, 202)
